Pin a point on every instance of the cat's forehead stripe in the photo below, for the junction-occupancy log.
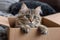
(31, 10)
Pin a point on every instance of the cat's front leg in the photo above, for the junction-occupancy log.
(43, 29)
(25, 29)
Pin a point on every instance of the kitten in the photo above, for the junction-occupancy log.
(30, 18)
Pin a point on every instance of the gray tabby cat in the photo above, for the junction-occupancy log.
(30, 18)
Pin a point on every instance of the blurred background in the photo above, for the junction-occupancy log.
(54, 3)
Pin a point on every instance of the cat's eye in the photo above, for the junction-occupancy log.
(34, 16)
(28, 16)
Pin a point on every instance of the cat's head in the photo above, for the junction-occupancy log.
(31, 14)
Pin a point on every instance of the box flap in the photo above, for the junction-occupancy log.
(52, 20)
(4, 21)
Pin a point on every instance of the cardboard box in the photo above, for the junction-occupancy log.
(15, 33)
(12, 21)
(52, 20)
(53, 34)
(4, 21)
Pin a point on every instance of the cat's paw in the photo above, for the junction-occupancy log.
(43, 30)
(25, 29)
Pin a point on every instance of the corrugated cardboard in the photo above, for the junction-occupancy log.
(53, 34)
(52, 20)
(53, 30)
(4, 21)
(12, 21)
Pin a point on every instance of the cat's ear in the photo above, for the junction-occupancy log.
(24, 8)
(38, 10)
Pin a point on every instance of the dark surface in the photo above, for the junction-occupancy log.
(53, 3)
(47, 9)
(3, 32)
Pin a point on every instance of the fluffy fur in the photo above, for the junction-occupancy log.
(30, 18)
(47, 9)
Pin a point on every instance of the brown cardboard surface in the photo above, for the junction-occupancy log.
(53, 34)
(52, 20)
(12, 21)
(4, 21)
